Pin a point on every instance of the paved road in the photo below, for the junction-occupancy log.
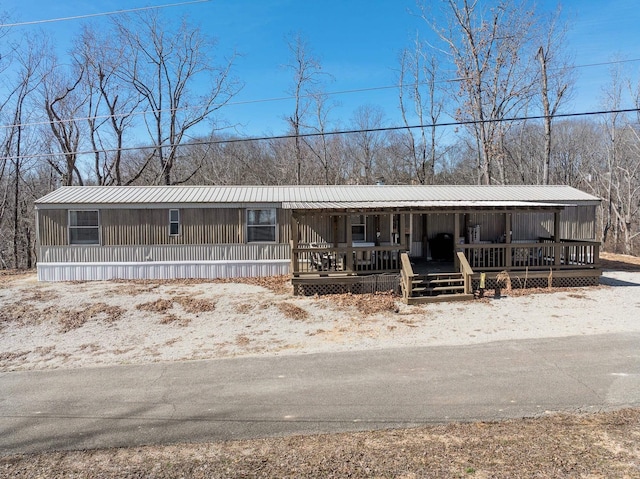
(255, 397)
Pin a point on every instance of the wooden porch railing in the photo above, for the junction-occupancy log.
(326, 259)
(533, 256)
(466, 271)
(406, 276)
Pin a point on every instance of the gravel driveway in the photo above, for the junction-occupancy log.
(70, 325)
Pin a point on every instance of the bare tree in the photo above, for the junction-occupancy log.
(63, 104)
(554, 88)
(111, 103)
(489, 48)
(164, 67)
(367, 143)
(420, 100)
(17, 142)
(307, 74)
(322, 146)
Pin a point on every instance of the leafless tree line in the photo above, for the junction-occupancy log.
(143, 103)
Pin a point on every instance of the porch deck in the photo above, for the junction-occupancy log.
(322, 268)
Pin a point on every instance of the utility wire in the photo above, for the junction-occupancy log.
(328, 133)
(102, 14)
(274, 99)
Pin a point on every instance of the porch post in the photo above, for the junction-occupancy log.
(456, 235)
(335, 231)
(507, 240)
(295, 264)
(556, 238)
(349, 242)
(403, 236)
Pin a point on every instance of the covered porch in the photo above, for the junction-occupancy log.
(442, 247)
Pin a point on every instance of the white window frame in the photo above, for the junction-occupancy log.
(274, 225)
(362, 222)
(71, 227)
(174, 222)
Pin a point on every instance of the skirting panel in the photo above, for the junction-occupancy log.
(161, 270)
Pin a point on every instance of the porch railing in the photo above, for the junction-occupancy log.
(326, 259)
(533, 256)
(466, 271)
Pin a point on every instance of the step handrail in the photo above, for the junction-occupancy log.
(406, 275)
(466, 270)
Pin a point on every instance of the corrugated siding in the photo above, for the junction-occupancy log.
(318, 228)
(53, 227)
(531, 226)
(130, 227)
(151, 271)
(579, 223)
(211, 226)
(284, 225)
(150, 253)
(440, 223)
(491, 225)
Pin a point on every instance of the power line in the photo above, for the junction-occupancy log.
(273, 99)
(102, 14)
(328, 133)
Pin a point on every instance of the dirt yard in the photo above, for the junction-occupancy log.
(63, 325)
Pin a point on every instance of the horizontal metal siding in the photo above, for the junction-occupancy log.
(114, 254)
(160, 271)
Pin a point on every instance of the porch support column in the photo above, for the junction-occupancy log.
(335, 231)
(556, 239)
(507, 239)
(349, 242)
(295, 226)
(456, 235)
(403, 236)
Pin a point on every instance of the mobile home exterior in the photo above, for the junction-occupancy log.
(165, 232)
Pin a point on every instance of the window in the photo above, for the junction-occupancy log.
(84, 227)
(174, 222)
(358, 229)
(261, 226)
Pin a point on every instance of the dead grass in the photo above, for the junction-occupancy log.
(367, 304)
(76, 318)
(194, 305)
(619, 262)
(170, 318)
(277, 284)
(292, 311)
(604, 445)
(157, 306)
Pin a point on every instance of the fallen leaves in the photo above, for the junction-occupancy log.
(559, 446)
(367, 304)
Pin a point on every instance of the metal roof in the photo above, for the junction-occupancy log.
(225, 196)
(407, 205)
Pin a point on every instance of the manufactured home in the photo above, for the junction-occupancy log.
(430, 240)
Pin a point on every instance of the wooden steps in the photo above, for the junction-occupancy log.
(438, 299)
(437, 287)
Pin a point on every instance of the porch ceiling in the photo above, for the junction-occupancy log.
(345, 206)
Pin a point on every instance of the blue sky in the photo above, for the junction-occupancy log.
(357, 42)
